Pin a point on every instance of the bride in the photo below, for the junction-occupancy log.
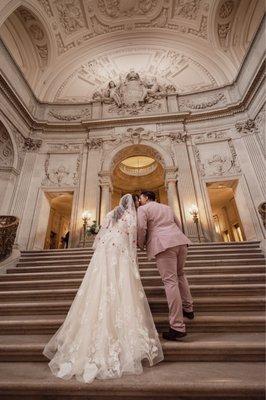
(109, 328)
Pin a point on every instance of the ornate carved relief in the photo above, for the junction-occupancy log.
(6, 148)
(32, 145)
(94, 143)
(210, 136)
(226, 9)
(217, 160)
(36, 33)
(84, 113)
(202, 103)
(133, 95)
(105, 74)
(225, 21)
(119, 9)
(187, 9)
(61, 171)
(70, 15)
(202, 32)
(246, 127)
(136, 136)
(46, 6)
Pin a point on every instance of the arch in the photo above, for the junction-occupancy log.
(42, 46)
(220, 67)
(119, 152)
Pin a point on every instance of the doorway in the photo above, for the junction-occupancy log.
(58, 229)
(227, 222)
(138, 170)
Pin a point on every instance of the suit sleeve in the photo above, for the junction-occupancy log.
(142, 227)
(178, 223)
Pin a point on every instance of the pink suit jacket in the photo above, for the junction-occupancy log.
(159, 229)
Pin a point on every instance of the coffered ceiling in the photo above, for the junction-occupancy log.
(68, 49)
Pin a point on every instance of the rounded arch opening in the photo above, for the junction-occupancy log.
(135, 168)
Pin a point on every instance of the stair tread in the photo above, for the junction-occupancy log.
(193, 340)
(232, 316)
(168, 379)
(72, 290)
(201, 299)
(156, 277)
(81, 273)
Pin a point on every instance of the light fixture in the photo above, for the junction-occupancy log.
(86, 216)
(194, 211)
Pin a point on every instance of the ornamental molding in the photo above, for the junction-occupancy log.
(210, 136)
(86, 112)
(217, 160)
(135, 136)
(202, 103)
(61, 175)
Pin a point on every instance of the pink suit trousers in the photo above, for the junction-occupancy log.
(170, 264)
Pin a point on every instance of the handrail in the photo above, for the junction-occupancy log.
(262, 212)
(8, 229)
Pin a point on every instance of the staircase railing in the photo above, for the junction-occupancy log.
(8, 230)
(262, 212)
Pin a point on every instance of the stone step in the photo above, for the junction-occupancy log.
(146, 280)
(195, 245)
(226, 347)
(192, 263)
(196, 290)
(157, 305)
(167, 380)
(85, 259)
(73, 272)
(46, 324)
(68, 255)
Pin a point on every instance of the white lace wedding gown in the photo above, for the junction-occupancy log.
(109, 328)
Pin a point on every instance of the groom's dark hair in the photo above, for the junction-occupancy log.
(151, 195)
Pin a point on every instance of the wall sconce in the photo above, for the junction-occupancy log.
(194, 211)
(86, 216)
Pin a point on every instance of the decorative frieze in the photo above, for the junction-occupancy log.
(63, 148)
(210, 136)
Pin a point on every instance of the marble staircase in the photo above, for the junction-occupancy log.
(221, 357)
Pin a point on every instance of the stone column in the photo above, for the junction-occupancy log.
(171, 186)
(106, 189)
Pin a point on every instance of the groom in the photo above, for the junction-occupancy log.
(160, 231)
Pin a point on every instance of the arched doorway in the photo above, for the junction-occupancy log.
(132, 168)
(137, 168)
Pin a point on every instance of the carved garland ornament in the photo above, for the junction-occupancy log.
(86, 112)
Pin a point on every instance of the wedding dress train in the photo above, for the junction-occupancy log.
(109, 329)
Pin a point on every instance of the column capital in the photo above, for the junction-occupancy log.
(171, 174)
(105, 180)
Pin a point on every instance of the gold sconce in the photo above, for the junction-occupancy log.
(194, 211)
(86, 216)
